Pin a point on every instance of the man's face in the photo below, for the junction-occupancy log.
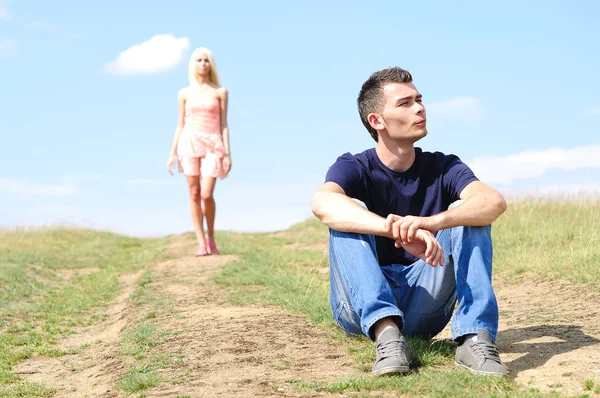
(403, 115)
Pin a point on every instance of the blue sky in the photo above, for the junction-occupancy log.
(88, 100)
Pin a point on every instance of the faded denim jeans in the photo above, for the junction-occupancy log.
(422, 298)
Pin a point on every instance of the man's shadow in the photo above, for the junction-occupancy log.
(564, 338)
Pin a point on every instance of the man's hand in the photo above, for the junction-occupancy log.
(414, 234)
(426, 247)
(404, 229)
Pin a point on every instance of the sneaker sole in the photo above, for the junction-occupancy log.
(391, 370)
(480, 372)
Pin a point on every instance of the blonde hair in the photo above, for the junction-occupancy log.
(213, 75)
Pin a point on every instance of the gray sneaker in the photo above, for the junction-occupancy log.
(393, 354)
(480, 355)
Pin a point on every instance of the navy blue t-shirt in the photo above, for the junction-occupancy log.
(428, 187)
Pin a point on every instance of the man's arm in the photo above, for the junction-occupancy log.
(339, 212)
(481, 206)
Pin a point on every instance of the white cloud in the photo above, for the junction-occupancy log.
(37, 26)
(593, 110)
(75, 179)
(48, 216)
(591, 188)
(562, 192)
(68, 212)
(27, 188)
(272, 208)
(533, 164)
(7, 47)
(460, 108)
(4, 15)
(149, 181)
(45, 28)
(158, 54)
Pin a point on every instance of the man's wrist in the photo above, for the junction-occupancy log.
(439, 221)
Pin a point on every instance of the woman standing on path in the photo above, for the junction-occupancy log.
(201, 143)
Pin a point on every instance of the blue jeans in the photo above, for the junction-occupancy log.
(419, 297)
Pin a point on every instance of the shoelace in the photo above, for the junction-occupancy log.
(484, 350)
(389, 348)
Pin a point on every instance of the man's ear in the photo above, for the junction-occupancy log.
(376, 121)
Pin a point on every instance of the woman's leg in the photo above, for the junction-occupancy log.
(210, 168)
(191, 169)
(208, 205)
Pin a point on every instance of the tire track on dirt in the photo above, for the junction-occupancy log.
(94, 371)
(247, 351)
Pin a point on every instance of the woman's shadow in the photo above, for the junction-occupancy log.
(563, 338)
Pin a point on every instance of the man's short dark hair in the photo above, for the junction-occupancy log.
(370, 98)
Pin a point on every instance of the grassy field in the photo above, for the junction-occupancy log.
(54, 280)
(556, 240)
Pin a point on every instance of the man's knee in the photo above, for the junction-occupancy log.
(339, 235)
(350, 239)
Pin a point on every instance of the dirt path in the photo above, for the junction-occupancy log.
(550, 333)
(226, 350)
(549, 337)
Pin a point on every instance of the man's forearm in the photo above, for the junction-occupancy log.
(341, 213)
(478, 210)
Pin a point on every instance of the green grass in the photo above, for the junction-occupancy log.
(550, 239)
(52, 280)
(271, 274)
(138, 380)
(555, 240)
(142, 338)
(430, 383)
(139, 340)
(25, 390)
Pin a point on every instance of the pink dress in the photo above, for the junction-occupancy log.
(200, 148)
